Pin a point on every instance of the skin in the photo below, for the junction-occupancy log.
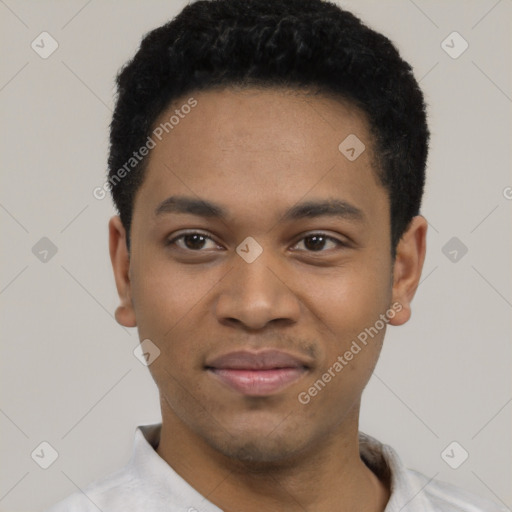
(257, 153)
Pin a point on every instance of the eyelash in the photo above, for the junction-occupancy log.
(339, 243)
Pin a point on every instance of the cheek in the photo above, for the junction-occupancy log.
(347, 310)
(350, 298)
(170, 303)
(165, 294)
(345, 320)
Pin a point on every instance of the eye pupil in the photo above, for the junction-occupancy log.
(194, 241)
(314, 243)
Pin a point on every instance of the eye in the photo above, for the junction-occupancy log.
(318, 242)
(193, 242)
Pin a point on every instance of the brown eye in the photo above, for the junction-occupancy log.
(318, 242)
(315, 242)
(193, 242)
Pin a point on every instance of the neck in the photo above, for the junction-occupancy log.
(330, 476)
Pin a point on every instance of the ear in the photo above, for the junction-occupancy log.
(410, 256)
(120, 258)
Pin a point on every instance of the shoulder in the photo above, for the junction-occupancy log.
(76, 502)
(118, 491)
(412, 491)
(132, 487)
(445, 497)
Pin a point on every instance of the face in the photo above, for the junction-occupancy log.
(259, 255)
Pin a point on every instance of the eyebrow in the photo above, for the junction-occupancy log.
(199, 207)
(330, 207)
(310, 209)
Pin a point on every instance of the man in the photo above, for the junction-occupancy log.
(268, 163)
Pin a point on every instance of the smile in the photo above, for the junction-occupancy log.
(257, 374)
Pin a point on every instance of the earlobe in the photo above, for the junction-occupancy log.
(410, 256)
(120, 258)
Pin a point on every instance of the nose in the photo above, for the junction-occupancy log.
(256, 294)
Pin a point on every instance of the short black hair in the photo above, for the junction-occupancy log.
(296, 44)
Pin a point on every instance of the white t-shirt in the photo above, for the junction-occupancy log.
(147, 483)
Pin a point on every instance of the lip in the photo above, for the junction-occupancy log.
(260, 373)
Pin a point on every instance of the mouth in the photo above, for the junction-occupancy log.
(261, 373)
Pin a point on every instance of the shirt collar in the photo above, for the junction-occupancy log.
(155, 474)
(405, 488)
(158, 479)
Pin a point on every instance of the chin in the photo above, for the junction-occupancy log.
(260, 451)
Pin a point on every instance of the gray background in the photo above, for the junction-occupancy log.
(68, 373)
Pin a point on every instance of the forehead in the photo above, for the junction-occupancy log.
(245, 147)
